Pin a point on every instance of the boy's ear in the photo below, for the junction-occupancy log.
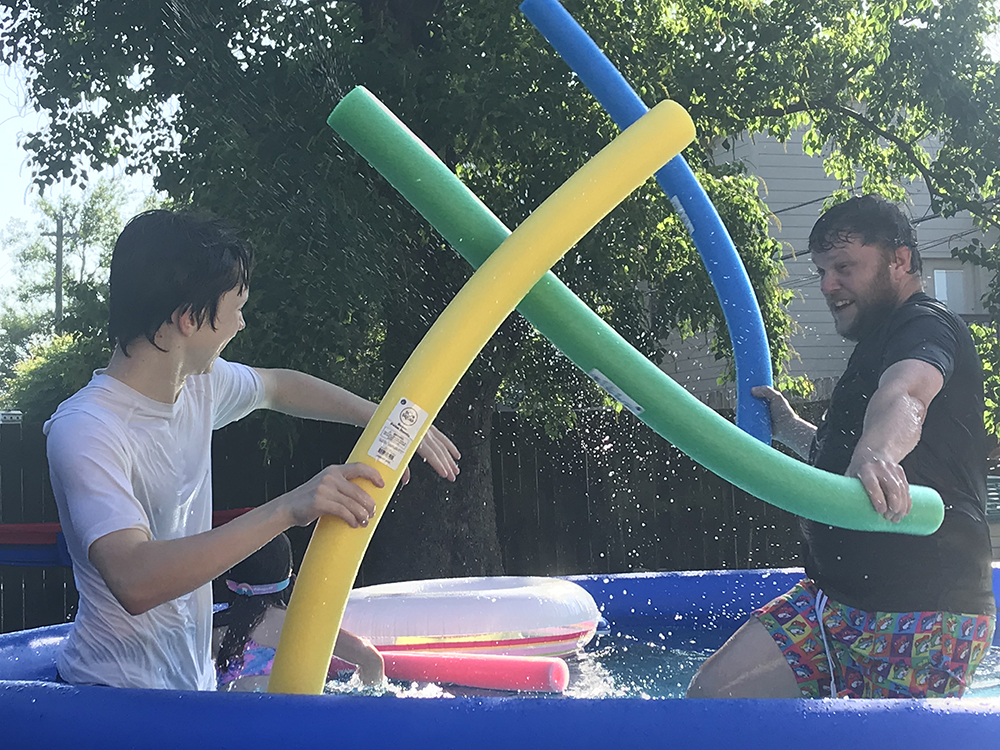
(185, 320)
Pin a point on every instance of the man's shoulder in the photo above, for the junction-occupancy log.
(921, 306)
(925, 318)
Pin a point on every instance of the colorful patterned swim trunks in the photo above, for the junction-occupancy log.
(875, 654)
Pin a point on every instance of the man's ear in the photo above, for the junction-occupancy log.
(185, 320)
(902, 257)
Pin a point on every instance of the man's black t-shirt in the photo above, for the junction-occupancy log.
(949, 570)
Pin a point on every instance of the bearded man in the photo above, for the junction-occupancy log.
(880, 615)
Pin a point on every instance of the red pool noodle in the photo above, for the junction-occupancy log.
(543, 674)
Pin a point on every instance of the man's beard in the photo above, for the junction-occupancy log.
(873, 307)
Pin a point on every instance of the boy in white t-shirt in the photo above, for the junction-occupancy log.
(130, 457)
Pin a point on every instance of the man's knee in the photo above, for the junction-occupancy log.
(749, 665)
(706, 683)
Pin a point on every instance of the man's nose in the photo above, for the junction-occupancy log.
(829, 283)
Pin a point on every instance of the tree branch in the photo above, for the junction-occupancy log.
(786, 111)
(904, 146)
(933, 189)
(928, 177)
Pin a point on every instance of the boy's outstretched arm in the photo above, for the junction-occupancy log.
(301, 395)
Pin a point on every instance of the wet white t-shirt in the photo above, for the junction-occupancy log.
(119, 460)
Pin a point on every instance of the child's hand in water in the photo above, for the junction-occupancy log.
(358, 651)
(371, 668)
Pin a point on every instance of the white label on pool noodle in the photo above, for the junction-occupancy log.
(615, 391)
(397, 433)
(679, 207)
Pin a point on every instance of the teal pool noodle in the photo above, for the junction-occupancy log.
(648, 392)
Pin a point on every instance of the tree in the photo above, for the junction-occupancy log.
(19, 331)
(28, 329)
(227, 100)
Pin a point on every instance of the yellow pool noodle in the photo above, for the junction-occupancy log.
(439, 361)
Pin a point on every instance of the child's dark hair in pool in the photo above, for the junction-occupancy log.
(260, 582)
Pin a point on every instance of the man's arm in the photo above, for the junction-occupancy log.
(787, 427)
(301, 395)
(143, 573)
(893, 423)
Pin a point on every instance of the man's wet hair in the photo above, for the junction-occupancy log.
(871, 219)
(169, 260)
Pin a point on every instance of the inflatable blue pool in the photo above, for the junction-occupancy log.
(698, 610)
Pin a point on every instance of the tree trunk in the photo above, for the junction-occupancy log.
(435, 528)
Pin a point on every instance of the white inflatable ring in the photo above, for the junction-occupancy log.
(523, 616)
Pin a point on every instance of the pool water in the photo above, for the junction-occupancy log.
(986, 683)
(626, 667)
(632, 668)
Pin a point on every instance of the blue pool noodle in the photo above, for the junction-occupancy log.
(725, 268)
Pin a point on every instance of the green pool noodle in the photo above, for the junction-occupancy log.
(648, 392)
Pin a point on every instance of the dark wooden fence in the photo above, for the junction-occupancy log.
(610, 496)
(29, 596)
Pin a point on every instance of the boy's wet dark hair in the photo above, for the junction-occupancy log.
(165, 260)
(872, 219)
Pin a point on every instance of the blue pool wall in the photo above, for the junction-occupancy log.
(698, 609)
(36, 712)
